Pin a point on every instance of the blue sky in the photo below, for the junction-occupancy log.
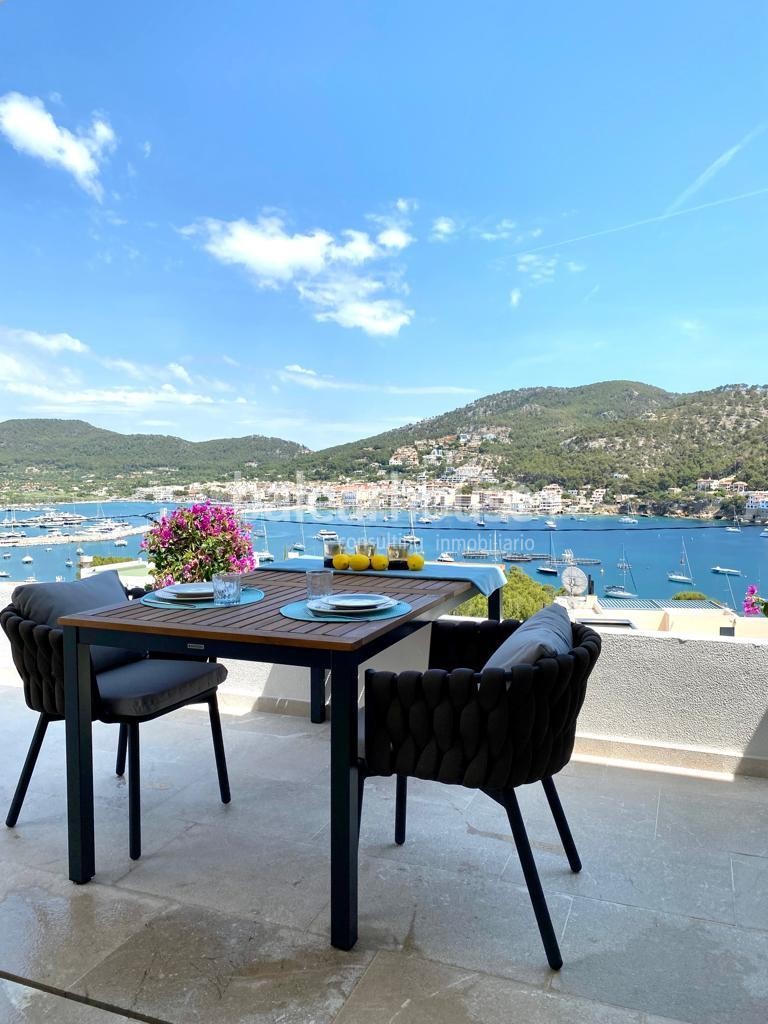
(323, 220)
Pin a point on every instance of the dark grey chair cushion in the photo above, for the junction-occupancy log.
(45, 603)
(149, 687)
(546, 634)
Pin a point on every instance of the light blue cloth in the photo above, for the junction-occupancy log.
(298, 610)
(249, 596)
(485, 578)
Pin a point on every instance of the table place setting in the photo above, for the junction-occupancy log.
(224, 591)
(323, 605)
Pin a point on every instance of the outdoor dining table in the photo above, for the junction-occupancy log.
(253, 632)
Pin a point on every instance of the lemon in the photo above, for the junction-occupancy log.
(341, 562)
(358, 562)
(379, 562)
(416, 562)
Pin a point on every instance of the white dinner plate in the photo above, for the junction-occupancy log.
(323, 607)
(354, 602)
(187, 592)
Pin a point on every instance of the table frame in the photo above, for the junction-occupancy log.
(341, 657)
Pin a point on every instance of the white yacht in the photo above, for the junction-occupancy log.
(4, 575)
(723, 571)
(629, 520)
(684, 574)
(550, 524)
(445, 556)
(27, 560)
(326, 535)
(121, 542)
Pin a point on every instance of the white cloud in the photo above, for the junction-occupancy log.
(394, 238)
(318, 265)
(51, 399)
(295, 374)
(230, 361)
(351, 302)
(52, 343)
(405, 205)
(504, 229)
(10, 368)
(442, 229)
(125, 366)
(30, 129)
(514, 297)
(574, 267)
(539, 269)
(146, 149)
(179, 372)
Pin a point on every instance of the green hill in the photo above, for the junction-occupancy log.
(582, 435)
(57, 454)
(653, 439)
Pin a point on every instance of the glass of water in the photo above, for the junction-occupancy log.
(226, 588)
(319, 583)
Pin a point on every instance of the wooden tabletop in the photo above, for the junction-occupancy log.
(262, 622)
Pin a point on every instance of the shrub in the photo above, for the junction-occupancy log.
(690, 595)
(190, 544)
(520, 598)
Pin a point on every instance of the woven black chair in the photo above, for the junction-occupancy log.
(130, 688)
(490, 729)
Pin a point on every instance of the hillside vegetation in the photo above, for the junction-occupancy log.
(57, 453)
(583, 435)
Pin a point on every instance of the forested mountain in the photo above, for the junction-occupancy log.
(584, 435)
(68, 451)
(571, 436)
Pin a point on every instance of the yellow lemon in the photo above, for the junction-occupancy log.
(416, 562)
(379, 562)
(341, 562)
(359, 562)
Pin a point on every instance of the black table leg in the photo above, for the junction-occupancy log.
(316, 695)
(344, 813)
(494, 605)
(77, 703)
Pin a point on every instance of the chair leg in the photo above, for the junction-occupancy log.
(134, 792)
(26, 771)
(360, 792)
(562, 824)
(122, 749)
(218, 749)
(532, 880)
(401, 794)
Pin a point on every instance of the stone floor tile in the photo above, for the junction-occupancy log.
(653, 874)
(411, 990)
(590, 806)
(750, 883)
(664, 964)
(464, 920)
(261, 875)
(693, 819)
(52, 931)
(20, 1004)
(192, 965)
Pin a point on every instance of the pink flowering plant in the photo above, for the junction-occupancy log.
(753, 603)
(191, 543)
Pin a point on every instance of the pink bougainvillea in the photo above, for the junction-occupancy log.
(753, 603)
(191, 543)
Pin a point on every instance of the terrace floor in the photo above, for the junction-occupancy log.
(225, 917)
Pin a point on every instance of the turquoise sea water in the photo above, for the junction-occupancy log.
(653, 546)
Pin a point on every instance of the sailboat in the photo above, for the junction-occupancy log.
(549, 568)
(684, 574)
(628, 518)
(736, 528)
(265, 555)
(620, 589)
(410, 538)
(300, 545)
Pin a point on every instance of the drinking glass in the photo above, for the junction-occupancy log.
(319, 583)
(226, 588)
(366, 547)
